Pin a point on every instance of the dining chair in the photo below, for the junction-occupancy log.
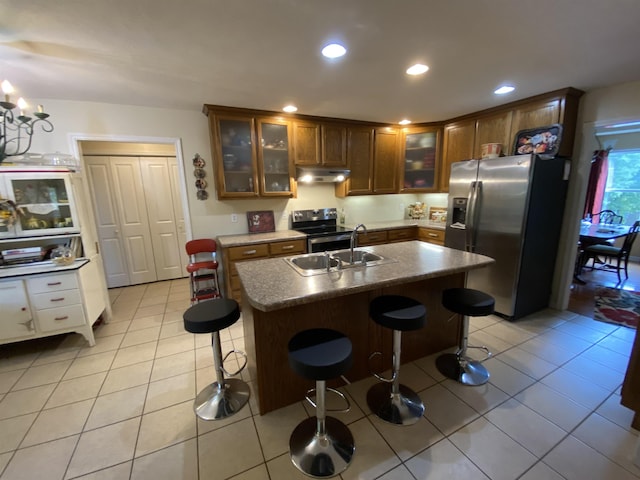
(621, 254)
(607, 217)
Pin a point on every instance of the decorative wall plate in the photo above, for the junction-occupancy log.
(199, 173)
(201, 184)
(198, 161)
(202, 195)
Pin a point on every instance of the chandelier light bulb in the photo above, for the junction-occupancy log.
(7, 89)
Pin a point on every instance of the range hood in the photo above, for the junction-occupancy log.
(321, 174)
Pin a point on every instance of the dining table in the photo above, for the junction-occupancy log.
(593, 234)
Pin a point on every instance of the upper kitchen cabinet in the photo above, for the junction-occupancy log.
(494, 128)
(359, 162)
(458, 145)
(418, 162)
(274, 158)
(385, 160)
(464, 136)
(235, 162)
(252, 154)
(320, 144)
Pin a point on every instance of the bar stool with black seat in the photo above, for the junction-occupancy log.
(321, 446)
(396, 403)
(225, 396)
(458, 366)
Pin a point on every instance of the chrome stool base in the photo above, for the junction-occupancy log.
(216, 402)
(321, 455)
(462, 369)
(403, 408)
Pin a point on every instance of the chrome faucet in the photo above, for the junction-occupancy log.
(354, 240)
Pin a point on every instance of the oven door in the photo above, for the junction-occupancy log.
(328, 242)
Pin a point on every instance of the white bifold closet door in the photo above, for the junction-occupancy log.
(135, 207)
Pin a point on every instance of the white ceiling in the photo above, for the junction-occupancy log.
(265, 53)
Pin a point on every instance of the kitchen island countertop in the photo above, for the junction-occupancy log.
(272, 284)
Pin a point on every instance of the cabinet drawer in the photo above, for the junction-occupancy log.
(432, 235)
(372, 238)
(401, 234)
(287, 248)
(52, 283)
(249, 251)
(61, 317)
(60, 298)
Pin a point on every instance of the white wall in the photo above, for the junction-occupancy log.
(602, 106)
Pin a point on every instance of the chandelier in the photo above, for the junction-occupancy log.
(16, 131)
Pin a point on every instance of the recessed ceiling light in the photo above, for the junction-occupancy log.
(404, 122)
(504, 89)
(290, 109)
(334, 50)
(417, 69)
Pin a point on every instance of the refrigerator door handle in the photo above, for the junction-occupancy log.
(477, 198)
(470, 217)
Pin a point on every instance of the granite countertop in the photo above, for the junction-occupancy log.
(252, 238)
(387, 224)
(226, 241)
(40, 267)
(272, 284)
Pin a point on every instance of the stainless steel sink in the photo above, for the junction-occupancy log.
(318, 263)
(359, 256)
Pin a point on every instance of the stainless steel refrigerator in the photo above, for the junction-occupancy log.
(510, 209)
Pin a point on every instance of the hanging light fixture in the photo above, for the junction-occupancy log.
(16, 131)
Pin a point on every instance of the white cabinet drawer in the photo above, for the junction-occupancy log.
(52, 283)
(60, 298)
(61, 317)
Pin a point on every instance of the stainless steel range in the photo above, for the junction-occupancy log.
(322, 229)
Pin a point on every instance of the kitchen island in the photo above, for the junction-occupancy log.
(278, 302)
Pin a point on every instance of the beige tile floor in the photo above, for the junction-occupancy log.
(123, 409)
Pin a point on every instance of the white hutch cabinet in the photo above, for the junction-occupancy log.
(39, 299)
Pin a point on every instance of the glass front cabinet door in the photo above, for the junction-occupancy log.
(419, 160)
(236, 173)
(275, 158)
(44, 202)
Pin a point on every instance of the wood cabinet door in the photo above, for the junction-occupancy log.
(458, 145)
(306, 143)
(419, 162)
(494, 129)
(359, 161)
(334, 146)
(385, 160)
(534, 115)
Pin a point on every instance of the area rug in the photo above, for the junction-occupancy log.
(620, 307)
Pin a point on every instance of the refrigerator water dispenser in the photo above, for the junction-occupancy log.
(459, 211)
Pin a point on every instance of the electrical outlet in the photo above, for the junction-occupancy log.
(234, 218)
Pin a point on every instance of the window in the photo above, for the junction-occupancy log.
(622, 192)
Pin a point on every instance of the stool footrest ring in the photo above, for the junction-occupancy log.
(332, 390)
(394, 374)
(233, 374)
(462, 353)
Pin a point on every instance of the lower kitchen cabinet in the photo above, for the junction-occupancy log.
(431, 235)
(232, 255)
(50, 303)
(401, 234)
(372, 238)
